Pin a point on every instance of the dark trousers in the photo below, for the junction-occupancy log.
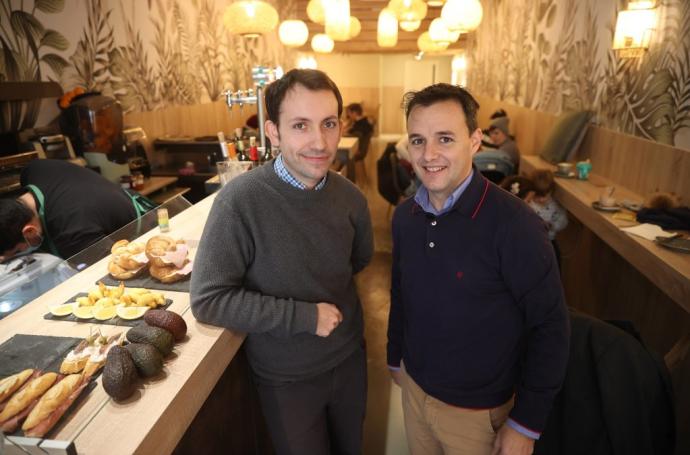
(321, 415)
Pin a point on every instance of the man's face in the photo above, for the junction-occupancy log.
(308, 134)
(32, 238)
(441, 147)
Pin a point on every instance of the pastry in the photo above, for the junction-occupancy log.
(164, 251)
(128, 260)
(170, 273)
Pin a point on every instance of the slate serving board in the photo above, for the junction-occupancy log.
(112, 321)
(40, 352)
(145, 281)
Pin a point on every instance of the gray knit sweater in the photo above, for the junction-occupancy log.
(268, 254)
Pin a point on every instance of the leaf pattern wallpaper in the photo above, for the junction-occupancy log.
(556, 56)
(147, 54)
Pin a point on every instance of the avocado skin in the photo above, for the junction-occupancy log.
(119, 374)
(168, 320)
(147, 359)
(161, 339)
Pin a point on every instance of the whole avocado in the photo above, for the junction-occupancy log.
(168, 320)
(161, 339)
(119, 374)
(147, 359)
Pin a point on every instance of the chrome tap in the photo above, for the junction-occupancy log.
(261, 77)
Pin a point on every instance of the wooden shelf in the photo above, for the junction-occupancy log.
(668, 270)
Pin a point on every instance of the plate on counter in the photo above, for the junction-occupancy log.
(676, 243)
(605, 208)
(115, 320)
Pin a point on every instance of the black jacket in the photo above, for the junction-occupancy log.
(616, 398)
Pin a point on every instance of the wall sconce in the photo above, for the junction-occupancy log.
(634, 29)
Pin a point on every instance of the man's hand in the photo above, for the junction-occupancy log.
(397, 376)
(510, 442)
(329, 317)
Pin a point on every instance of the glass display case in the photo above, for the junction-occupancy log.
(24, 278)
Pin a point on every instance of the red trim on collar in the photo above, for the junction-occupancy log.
(481, 201)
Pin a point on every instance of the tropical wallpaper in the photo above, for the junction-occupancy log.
(555, 56)
(148, 54)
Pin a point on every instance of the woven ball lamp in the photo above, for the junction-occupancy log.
(462, 15)
(409, 10)
(338, 20)
(355, 27)
(425, 44)
(387, 29)
(250, 18)
(315, 11)
(322, 43)
(440, 33)
(293, 33)
(410, 26)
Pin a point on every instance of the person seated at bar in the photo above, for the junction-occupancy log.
(358, 126)
(65, 208)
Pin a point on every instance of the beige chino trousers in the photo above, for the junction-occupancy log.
(436, 428)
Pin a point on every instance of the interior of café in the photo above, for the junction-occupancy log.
(130, 133)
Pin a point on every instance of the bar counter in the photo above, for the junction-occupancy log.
(156, 417)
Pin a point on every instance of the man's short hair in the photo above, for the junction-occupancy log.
(13, 217)
(355, 108)
(444, 92)
(311, 79)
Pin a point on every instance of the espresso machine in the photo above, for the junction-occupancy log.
(93, 123)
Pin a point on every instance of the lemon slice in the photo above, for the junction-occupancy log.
(105, 313)
(83, 312)
(131, 312)
(61, 310)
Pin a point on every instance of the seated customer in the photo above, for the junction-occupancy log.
(358, 126)
(65, 209)
(500, 136)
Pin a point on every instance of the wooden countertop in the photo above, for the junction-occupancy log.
(668, 270)
(156, 417)
(155, 183)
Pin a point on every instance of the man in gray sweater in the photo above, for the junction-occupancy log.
(277, 259)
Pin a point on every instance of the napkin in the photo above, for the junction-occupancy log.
(647, 231)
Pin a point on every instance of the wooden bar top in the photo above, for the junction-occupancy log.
(155, 183)
(154, 419)
(667, 269)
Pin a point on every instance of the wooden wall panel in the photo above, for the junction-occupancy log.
(195, 120)
(393, 119)
(635, 163)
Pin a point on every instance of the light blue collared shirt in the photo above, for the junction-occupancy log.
(284, 174)
(422, 197)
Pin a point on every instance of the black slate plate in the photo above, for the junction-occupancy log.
(145, 281)
(113, 321)
(34, 351)
(40, 352)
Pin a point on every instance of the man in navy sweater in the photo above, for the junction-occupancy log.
(478, 330)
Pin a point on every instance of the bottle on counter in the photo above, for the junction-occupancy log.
(239, 148)
(266, 155)
(163, 220)
(253, 150)
(223, 145)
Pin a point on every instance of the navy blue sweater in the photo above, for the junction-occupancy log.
(477, 308)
